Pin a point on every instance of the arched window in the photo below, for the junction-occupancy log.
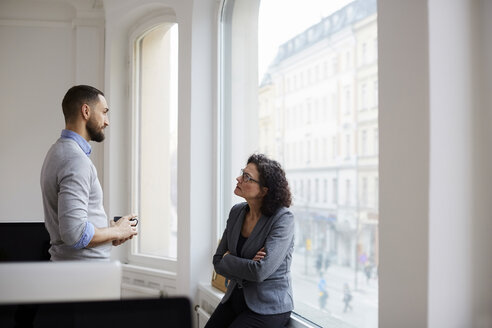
(154, 53)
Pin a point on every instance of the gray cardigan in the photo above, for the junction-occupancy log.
(72, 196)
(267, 284)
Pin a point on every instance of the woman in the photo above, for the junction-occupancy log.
(255, 251)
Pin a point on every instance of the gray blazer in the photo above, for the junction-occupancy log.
(267, 284)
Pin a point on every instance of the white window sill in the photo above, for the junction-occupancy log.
(149, 271)
(210, 291)
(212, 296)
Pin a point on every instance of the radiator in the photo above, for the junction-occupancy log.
(208, 299)
(139, 282)
(202, 316)
(134, 291)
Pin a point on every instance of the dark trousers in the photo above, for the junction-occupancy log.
(235, 314)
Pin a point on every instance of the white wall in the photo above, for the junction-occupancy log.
(453, 88)
(404, 162)
(481, 225)
(45, 49)
(201, 235)
(435, 163)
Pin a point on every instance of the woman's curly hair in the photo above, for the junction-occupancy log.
(273, 177)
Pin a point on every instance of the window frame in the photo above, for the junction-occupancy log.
(228, 109)
(294, 82)
(145, 25)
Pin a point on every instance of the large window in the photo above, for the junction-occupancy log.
(293, 74)
(154, 131)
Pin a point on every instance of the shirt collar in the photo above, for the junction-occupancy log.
(83, 144)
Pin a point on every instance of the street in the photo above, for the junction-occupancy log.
(364, 303)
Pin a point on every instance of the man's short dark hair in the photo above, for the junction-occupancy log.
(76, 97)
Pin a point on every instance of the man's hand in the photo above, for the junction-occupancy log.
(121, 241)
(125, 229)
(117, 233)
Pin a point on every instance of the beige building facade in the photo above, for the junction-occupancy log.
(318, 108)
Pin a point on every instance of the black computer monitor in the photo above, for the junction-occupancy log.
(24, 241)
(173, 312)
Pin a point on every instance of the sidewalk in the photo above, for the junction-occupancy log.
(364, 302)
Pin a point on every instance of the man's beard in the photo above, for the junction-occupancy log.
(95, 133)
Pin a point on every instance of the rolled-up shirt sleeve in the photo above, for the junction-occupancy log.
(73, 202)
(86, 237)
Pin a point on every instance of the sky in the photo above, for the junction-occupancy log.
(280, 20)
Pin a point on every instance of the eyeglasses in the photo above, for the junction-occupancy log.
(248, 178)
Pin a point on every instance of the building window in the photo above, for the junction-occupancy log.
(334, 148)
(301, 192)
(347, 60)
(364, 142)
(376, 141)
(375, 93)
(334, 105)
(308, 191)
(324, 150)
(348, 192)
(316, 150)
(347, 100)
(348, 146)
(364, 53)
(334, 193)
(364, 200)
(363, 96)
(325, 190)
(316, 190)
(154, 130)
(324, 108)
(334, 65)
(376, 192)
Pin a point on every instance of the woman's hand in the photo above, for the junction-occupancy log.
(260, 255)
(226, 254)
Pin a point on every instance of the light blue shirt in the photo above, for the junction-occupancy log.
(89, 229)
(83, 144)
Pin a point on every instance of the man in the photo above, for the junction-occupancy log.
(72, 196)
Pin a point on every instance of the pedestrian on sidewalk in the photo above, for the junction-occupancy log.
(323, 292)
(368, 272)
(347, 298)
(319, 260)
